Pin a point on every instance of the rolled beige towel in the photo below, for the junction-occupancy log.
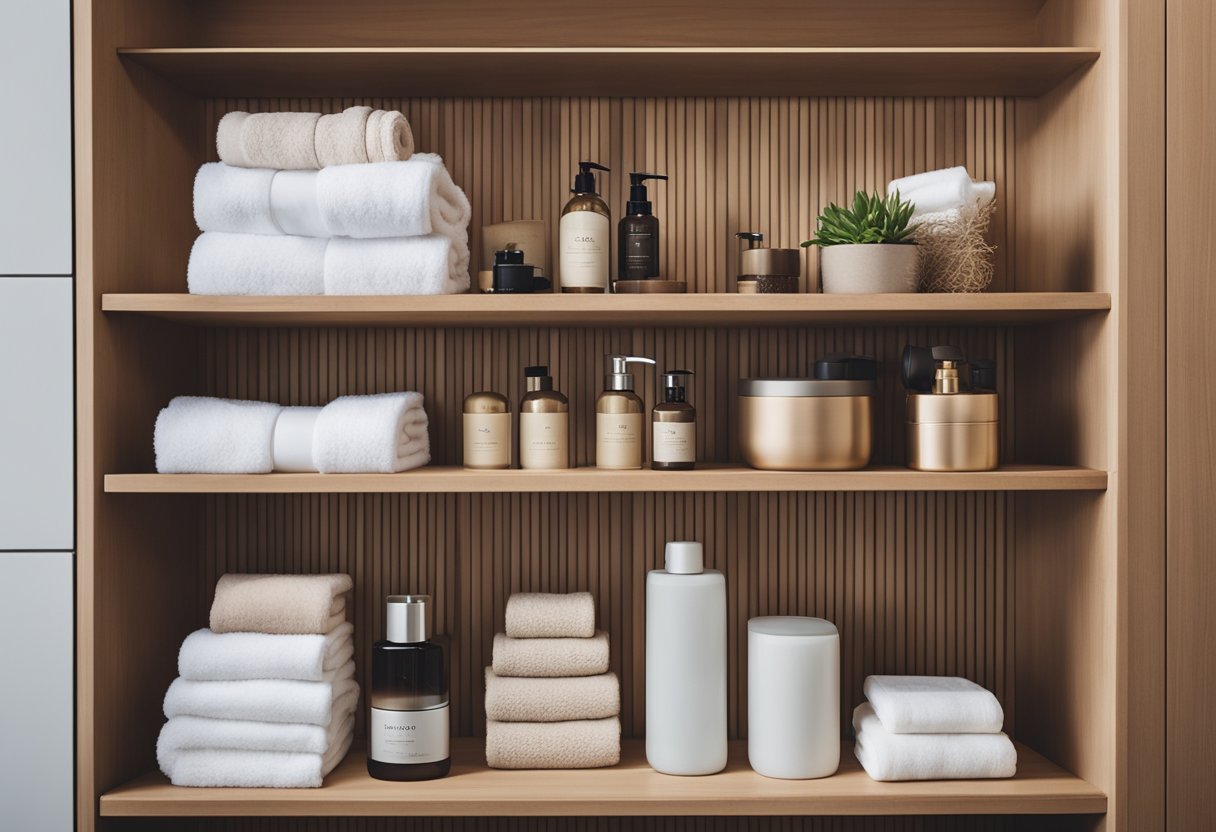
(281, 604)
(308, 141)
(520, 699)
(388, 137)
(342, 137)
(550, 657)
(591, 743)
(549, 615)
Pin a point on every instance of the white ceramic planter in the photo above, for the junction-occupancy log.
(868, 268)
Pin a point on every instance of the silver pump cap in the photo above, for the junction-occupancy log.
(618, 376)
(408, 619)
(684, 557)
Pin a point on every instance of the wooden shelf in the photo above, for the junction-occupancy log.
(629, 789)
(613, 310)
(613, 71)
(715, 478)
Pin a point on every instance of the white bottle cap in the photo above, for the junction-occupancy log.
(684, 557)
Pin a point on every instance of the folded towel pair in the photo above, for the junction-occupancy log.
(280, 604)
(889, 756)
(388, 199)
(593, 743)
(383, 433)
(225, 767)
(265, 700)
(933, 705)
(938, 191)
(207, 656)
(261, 264)
(549, 615)
(198, 733)
(519, 699)
(303, 141)
(550, 657)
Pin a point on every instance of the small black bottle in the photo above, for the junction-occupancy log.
(638, 233)
(408, 725)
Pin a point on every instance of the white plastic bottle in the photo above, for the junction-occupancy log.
(685, 664)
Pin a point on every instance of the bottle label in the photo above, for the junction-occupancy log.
(542, 440)
(584, 250)
(409, 736)
(618, 440)
(487, 440)
(675, 442)
(640, 256)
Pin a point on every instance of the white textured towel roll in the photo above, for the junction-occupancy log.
(887, 756)
(252, 769)
(936, 191)
(933, 705)
(263, 700)
(550, 615)
(381, 433)
(199, 435)
(293, 435)
(430, 265)
(393, 199)
(256, 264)
(228, 657)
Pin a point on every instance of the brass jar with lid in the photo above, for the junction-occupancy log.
(487, 431)
(764, 271)
(954, 425)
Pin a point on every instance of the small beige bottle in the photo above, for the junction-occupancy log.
(544, 423)
(487, 431)
(619, 417)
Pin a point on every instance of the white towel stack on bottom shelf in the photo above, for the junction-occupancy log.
(271, 709)
(931, 728)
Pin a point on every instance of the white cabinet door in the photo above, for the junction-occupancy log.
(36, 703)
(36, 137)
(36, 436)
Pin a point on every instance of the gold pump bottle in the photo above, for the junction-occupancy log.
(544, 423)
(583, 236)
(674, 444)
(619, 415)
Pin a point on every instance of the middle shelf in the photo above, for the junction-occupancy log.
(716, 478)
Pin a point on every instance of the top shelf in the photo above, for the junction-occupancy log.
(613, 71)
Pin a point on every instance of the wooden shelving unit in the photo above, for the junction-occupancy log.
(631, 788)
(719, 479)
(699, 309)
(613, 71)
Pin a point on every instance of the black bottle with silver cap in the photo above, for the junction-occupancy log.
(408, 725)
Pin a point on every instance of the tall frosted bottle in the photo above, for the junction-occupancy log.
(685, 664)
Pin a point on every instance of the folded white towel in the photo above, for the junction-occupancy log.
(933, 705)
(431, 265)
(303, 141)
(942, 190)
(887, 756)
(229, 657)
(192, 733)
(263, 700)
(393, 199)
(252, 769)
(256, 264)
(196, 434)
(361, 434)
(234, 199)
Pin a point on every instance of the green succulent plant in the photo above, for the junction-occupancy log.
(872, 219)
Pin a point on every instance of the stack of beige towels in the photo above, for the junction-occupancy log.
(550, 700)
(266, 696)
(338, 204)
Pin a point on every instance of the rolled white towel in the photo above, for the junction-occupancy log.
(887, 756)
(942, 190)
(253, 769)
(206, 656)
(190, 733)
(200, 435)
(256, 264)
(263, 700)
(393, 199)
(906, 184)
(430, 265)
(233, 199)
(933, 705)
(368, 434)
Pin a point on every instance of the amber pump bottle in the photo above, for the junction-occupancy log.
(637, 235)
(674, 444)
(544, 423)
(619, 413)
(583, 232)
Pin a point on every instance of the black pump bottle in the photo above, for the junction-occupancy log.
(638, 233)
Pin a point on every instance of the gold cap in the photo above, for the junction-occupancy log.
(486, 403)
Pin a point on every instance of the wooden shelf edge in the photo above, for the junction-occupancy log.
(724, 478)
(630, 789)
(557, 310)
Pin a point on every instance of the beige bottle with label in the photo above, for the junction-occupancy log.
(674, 445)
(544, 423)
(619, 417)
(487, 431)
(583, 236)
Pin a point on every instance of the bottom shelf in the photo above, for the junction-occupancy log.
(631, 788)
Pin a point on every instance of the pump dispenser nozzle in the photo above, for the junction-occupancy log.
(584, 181)
(618, 376)
(639, 200)
(675, 385)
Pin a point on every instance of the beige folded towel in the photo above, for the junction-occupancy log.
(281, 604)
(593, 743)
(519, 699)
(548, 615)
(308, 141)
(550, 657)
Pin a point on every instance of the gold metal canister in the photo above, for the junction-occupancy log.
(957, 432)
(794, 424)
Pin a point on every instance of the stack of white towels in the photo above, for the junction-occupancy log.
(931, 728)
(305, 204)
(942, 195)
(266, 697)
(385, 433)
